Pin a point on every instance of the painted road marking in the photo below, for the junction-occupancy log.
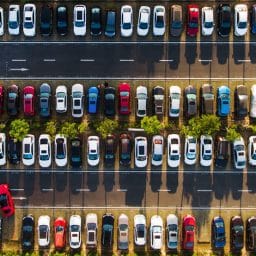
(163, 190)
(204, 190)
(126, 60)
(17, 189)
(18, 69)
(87, 60)
(47, 189)
(121, 190)
(49, 60)
(83, 189)
(244, 190)
(19, 60)
(166, 60)
(244, 60)
(200, 60)
(20, 198)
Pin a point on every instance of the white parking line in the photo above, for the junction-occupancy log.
(20, 198)
(244, 60)
(19, 60)
(82, 189)
(244, 190)
(166, 60)
(17, 189)
(47, 189)
(87, 60)
(201, 60)
(18, 69)
(121, 190)
(204, 190)
(163, 190)
(49, 60)
(126, 60)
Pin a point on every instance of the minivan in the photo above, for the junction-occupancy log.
(222, 152)
(110, 28)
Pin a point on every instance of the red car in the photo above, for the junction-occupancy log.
(60, 229)
(124, 92)
(6, 201)
(29, 100)
(188, 232)
(193, 19)
(1, 99)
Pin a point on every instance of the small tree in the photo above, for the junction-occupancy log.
(51, 128)
(151, 125)
(232, 133)
(2, 127)
(106, 127)
(193, 128)
(82, 127)
(69, 130)
(19, 128)
(253, 128)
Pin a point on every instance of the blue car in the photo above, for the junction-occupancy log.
(218, 233)
(223, 95)
(92, 100)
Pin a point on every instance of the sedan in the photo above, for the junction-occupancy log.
(241, 101)
(75, 228)
(140, 152)
(29, 20)
(13, 101)
(125, 149)
(174, 101)
(60, 230)
(110, 101)
(193, 20)
(173, 150)
(76, 152)
(236, 233)
(93, 150)
(223, 96)
(158, 100)
(96, 21)
(91, 227)
(253, 102)
(157, 150)
(123, 232)
(224, 20)
(93, 96)
(61, 99)
(44, 100)
(44, 231)
(172, 231)
(2, 93)
(251, 234)
(156, 232)
(207, 99)
(206, 150)
(240, 19)
(28, 150)
(77, 94)
(27, 233)
(188, 233)
(140, 230)
(141, 96)
(46, 20)
(124, 91)
(62, 20)
(143, 21)
(14, 151)
(126, 21)
(190, 150)
(14, 20)
(159, 22)
(252, 150)
(218, 233)
(107, 235)
(29, 100)
(2, 149)
(61, 159)
(110, 149)
(190, 101)
(253, 19)
(79, 22)
(6, 201)
(176, 20)
(207, 21)
(239, 156)
(44, 151)
(1, 21)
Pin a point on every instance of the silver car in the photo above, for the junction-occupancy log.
(91, 227)
(123, 232)
(140, 230)
(172, 231)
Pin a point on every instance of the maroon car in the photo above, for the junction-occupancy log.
(29, 100)
(193, 20)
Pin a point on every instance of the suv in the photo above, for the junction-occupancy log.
(79, 22)
(223, 98)
(207, 99)
(96, 21)
(14, 149)
(13, 102)
(224, 20)
(107, 230)
(62, 20)
(158, 100)
(45, 104)
(109, 101)
(236, 233)
(46, 20)
(222, 152)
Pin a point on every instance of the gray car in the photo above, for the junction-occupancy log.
(123, 232)
(176, 20)
(45, 104)
(190, 101)
(91, 227)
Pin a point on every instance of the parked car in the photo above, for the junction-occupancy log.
(173, 150)
(93, 150)
(110, 101)
(140, 152)
(44, 150)
(60, 233)
(124, 92)
(190, 151)
(176, 20)
(2, 94)
(253, 102)
(110, 24)
(141, 96)
(206, 150)
(14, 20)
(207, 99)
(6, 201)
(159, 20)
(239, 156)
(14, 151)
(224, 20)
(110, 150)
(76, 152)
(13, 94)
(45, 100)
(221, 152)
(91, 227)
(143, 21)
(1, 21)
(2, 149)
(79, 22)
(126, 21)
(28, 150)
(252, 150)
(157, 150)
(236, 233)
(251, 234)
(62, 20)
(125, 149)
(218, 233)
(93, 96)
(75, 229)
(241, 101)
(107, 236)
(193, 20)
(223, 97)
(44, 231)
(190, 101)
(29, 20)
(61, 158)
(46, 20)
(96, 21)
(188, 232)
(123, 232)
(27, 233)
(158, 100)
(240, 19)
(172, 228)
(207, 21)
(156, 232)
(29, 100)
(61, 99)
(174, 101)
(253, 19)
(140, 230)
(77, 95)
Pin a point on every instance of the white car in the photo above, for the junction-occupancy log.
(93, 151)
(140, 230)
(44, 231)
(190, 152)
(28, 150)
(61, 99)
(159, 20)
(174, 101)
(2, 149)
(77, 95)
(123, 232)
(126, 21)
(253, 102)
(79, 21)
(140, 152)
(91, 227)
(172, 228)
(157, 150)
(173, 150)
(60, 146)
(206, 150)
(207, 21)
(239, 155)
(29, 20)
(143, 21)
(141, 96)
(240, 19)
(75, 231)
(252, 150)
(44, 150)
(14, 20)
(1, 21)
(156, 232)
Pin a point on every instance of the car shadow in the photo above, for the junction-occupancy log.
(236, 185)
(222, 50)
(172, 181)
(191, 50)
(219, 184)
(206, 50)
(60, 181)
(174, 53)
(92, 180)
(45, 180)
(155, 179)
(238, 50)
(75, 180)
(251, 179)
(14, 180)
(29, 180)
(109, 180)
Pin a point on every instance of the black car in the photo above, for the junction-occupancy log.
(62, 20)
(109, 101)
(207, 99)
(222, 152)
(14, 151)
(96, 21)
(13, 100)
(110, 25)
(44, 100)
(46, 20)
(241, 101)
(158, 100)
(76, 152)
(236, 233)
(27, 233)
(125, 149)
(251, 234)
(253, 19)
(110, 148)
(107, 236)
(190, 108)
(224, 20)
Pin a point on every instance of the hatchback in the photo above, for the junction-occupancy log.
(6, 201)
(28, 150)
(223, 98)
(176, 20)
(190, 101)
(158, 100)
(110, 24)
(110, 101)
(240, 19)
(125, 149)
(174, 101)
(110, 149)
(252, 150)
(123, 232)
(93, 150)
(207, 99)
(141, 96)
(159, 22)
(236, 233)
(44, 151)
(126, 21)
(14, 151)
(27, 233)
(221, 152)
(193, 20)
(2, 149)
(156, 232)
(251, 234)
(140, 152)
(14, 19)
(157, 150)
(107, 235)
(93, 96)
(140, 230)
(96, 21)
(172, 229)
(218, 233)
(91, 227)
(77, 95)
(60, 233)
(29, 100)
(29, 20)
(62, 20)
(143, 21)
(76, 152)
(241, 101)
(79, 22)
(124, 98)
(207, 21)
(188, 233)
(45, 100)
(13, 100)
(75, 229)
(224, 20)
(44, 231)
(46, 20)
(60, 151)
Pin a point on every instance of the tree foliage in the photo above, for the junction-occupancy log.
(82, 127)
(106, 127)
(232, 133)
(253, 128)
(51, 128)
(151, 125)
(2, 127)
(19, 128)
(69, 130)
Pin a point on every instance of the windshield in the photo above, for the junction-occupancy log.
(208, 24)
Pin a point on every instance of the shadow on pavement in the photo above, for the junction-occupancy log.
(174, 53)
(219, 184)
(3, 177)
(14, 180)
(236, 185)
(206, 51)
(45, 180)
(239, 50)
(251, 180)
(155, 180)
(191, 50)
(222, 51)
(252, 52)
(29, 180)
(75, 181)
(172, 181)
(92, 180)
(109, 180)
(60, 181)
